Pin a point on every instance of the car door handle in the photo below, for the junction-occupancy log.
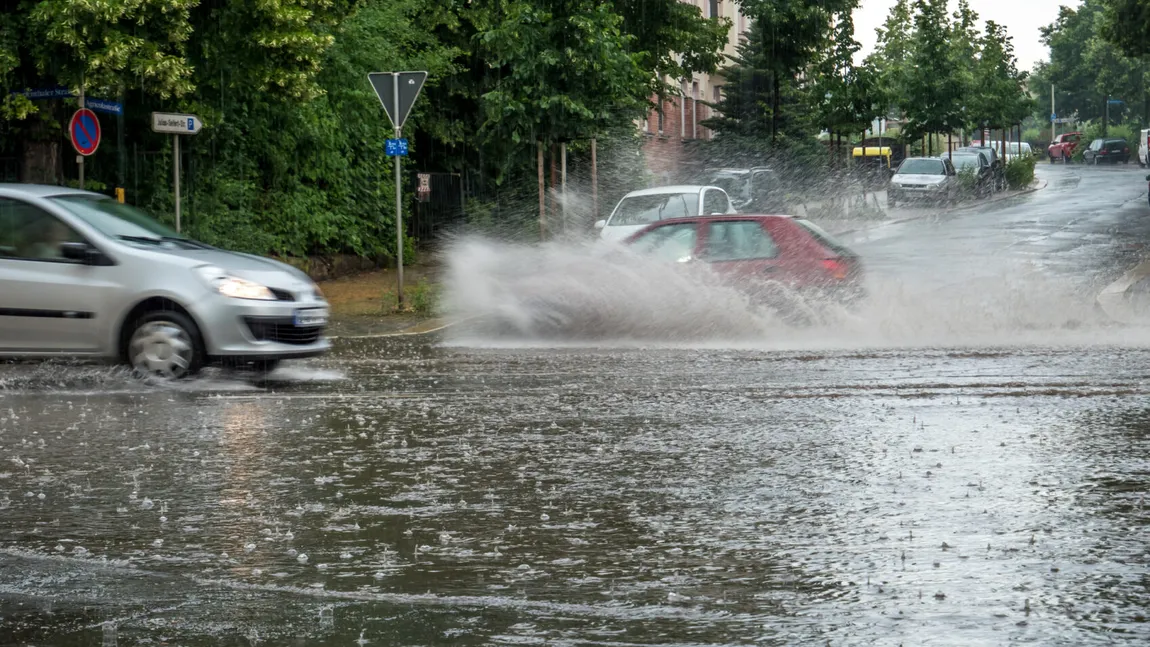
(769, 268)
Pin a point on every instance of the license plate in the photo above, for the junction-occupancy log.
(311, 318)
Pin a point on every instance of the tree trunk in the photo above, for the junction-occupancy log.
(42, 162)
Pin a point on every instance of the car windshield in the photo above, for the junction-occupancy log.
(645, 209)
(922, 167)
(965, 161)
(1096, 145)
(123, 222)
(734, 185)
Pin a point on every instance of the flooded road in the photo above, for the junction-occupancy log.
(444, 490)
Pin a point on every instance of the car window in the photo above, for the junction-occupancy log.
(922, 167)
(669, 242)
(714, 202)
(740, 240)
(1096, 145)
(646, 209)
(824, 239)
(28, 232)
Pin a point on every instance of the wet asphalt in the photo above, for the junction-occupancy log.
(901, 488)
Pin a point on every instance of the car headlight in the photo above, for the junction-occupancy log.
(233, 286)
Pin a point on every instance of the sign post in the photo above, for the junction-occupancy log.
(176, 125)
(397, 91)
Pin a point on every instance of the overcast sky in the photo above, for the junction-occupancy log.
(1022, 19)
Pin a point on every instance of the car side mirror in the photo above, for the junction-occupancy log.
(599, 224)
(82, 253)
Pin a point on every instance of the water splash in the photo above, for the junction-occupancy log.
(563, 293)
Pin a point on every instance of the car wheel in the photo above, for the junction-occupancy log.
(165, 344)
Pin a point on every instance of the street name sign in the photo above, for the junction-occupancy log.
(175, 124)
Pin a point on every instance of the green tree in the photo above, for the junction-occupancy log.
(889, 60)
(1126, 24)
(847, 97)
(934, 84)
(1086, 69)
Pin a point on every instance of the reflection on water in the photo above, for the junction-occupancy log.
(596, 496)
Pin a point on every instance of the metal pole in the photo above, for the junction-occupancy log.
(176, 176)
(542, 191)
(563, 157)
(398, 206)
(594, 183)
(80, 158)
(1053, 122)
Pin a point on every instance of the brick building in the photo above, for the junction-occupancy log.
(678, 119)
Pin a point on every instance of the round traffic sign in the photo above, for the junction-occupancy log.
(85, 131)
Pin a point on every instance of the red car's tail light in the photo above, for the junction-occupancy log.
(836, 267)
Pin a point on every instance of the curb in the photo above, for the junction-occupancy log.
(424, 328)
(1028, 190)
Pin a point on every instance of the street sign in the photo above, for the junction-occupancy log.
(423, 189)
(396, 148)
(397, 102)
(1053, 116)
(47, 93)
(103, 105)
(84, 129)
(1064, 120)
(175, 124)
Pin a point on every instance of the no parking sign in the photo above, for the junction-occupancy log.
(85, 131)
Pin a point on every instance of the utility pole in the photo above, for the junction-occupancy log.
(1053, 117)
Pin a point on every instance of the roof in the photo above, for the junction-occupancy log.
(726, 216)
(677, 188)
(42, 190)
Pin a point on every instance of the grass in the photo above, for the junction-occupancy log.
(374, 294)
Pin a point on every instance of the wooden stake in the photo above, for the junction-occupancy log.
(542, 193)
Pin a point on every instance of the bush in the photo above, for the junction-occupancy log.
(1020, 172)
(967, 181)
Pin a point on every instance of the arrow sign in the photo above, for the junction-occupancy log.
(175, 124)
(410, 83)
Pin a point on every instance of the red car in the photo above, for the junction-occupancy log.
(1062, 148)
(752, 252)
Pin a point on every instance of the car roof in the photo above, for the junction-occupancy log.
(725, 216)
(43, 190)
(676, 188)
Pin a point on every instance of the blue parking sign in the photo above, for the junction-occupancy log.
(396, 148)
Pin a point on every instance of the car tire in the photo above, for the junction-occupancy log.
(165, 343)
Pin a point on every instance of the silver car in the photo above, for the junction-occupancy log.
(82, 275)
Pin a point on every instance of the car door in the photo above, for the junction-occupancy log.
(47, 303)
(715, 201)
(673, 242)
(743, 250)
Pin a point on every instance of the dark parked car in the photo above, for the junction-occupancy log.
(1107, 150)
(997, 165)
(979, 164)
(754, 253)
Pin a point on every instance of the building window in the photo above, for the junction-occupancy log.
(717, 93)
(646, 125)
(660, 119)
(714, 9)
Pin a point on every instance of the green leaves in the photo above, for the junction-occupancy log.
(1126, 24)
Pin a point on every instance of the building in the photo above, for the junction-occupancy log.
(678, 119)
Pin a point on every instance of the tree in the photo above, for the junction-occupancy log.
(1000, 98)
(1086, 69)
(1126, 24)
(848, 97)
(790, 33)
(934, 85)
(892, 52)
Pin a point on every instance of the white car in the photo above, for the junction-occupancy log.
(638, 209)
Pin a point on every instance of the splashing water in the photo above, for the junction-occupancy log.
(592, 292)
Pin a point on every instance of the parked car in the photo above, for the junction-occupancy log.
(1112, 150)
(82, 275)
(1062, 148)
(753, 251)
(923, 178)
(1144, 147)
(638, 209)
(997, 165)
(977, 163)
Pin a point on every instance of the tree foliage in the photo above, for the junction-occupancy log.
(1126, 24)
(1086, 69)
